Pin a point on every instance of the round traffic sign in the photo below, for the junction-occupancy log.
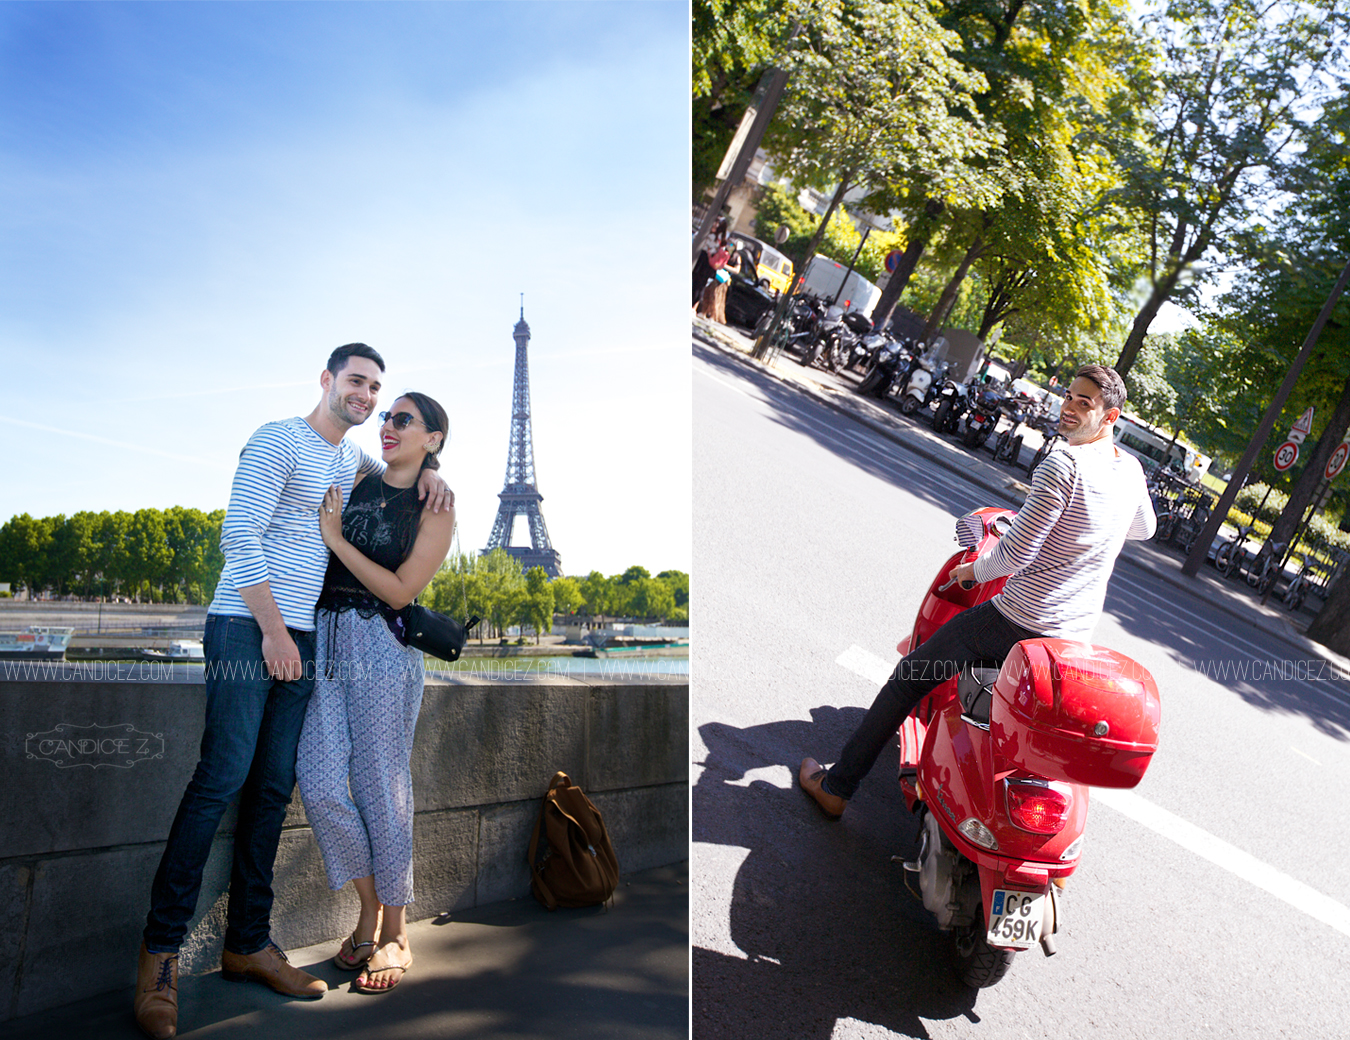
(893, 260)
(1337, 461)
(1285, 455)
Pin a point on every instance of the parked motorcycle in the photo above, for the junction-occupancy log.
(997, 762)
(835, 337)
(952, 403)
(1008, 447)
(918, 388)
(982, 417)
(889, 359)
(1048, 426)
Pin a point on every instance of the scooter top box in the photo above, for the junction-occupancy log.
(1073, 711)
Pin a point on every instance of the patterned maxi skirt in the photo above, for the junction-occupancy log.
(353, 765)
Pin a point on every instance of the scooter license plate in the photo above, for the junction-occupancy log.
(1015, 918)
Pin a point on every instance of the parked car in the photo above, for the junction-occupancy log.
(773, 270)
(747, 302)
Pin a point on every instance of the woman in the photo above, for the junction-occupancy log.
(725, 262)
(353, 764)
(703, 269)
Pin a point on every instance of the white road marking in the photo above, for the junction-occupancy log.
(1305, 755)
(869, 666)
(1187, 835)
(1229, 857)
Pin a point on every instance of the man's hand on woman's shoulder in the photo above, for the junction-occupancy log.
(436, 491)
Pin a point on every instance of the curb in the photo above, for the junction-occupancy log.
(1285, 631)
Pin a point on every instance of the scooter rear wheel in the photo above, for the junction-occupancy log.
(909, 404)
(977, 963)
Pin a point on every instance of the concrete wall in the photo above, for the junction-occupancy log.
(92, 773)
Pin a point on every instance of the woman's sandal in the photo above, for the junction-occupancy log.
(362, 981)
(352, 961)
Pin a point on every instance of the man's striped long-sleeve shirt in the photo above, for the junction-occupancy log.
(1085, 501)
(271, 528)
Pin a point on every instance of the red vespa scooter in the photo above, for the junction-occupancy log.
(997, 762)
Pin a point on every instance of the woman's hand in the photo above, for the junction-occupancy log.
(330, 517)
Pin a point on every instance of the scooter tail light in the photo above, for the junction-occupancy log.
(1037, 808)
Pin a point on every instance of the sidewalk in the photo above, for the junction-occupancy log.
(1164, 564)
(507, 969)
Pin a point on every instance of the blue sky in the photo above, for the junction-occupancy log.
(202, 200)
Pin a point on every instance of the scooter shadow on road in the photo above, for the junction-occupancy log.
(822, 916)
(1271, 683)
(790, 404)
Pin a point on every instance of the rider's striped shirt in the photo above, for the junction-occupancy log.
(271, 528)
(1085, 501)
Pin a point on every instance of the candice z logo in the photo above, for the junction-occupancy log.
(120, 746)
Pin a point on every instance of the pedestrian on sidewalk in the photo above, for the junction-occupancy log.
(1086, 499)
(355, 757)
(259, 649)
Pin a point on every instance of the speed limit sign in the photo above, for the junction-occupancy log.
(1337, 461)
(1285, 455)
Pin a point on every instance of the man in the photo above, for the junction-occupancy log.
(1085, 500)
(259, 645)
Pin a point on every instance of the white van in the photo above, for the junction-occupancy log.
(825, 277)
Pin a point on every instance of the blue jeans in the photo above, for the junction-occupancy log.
(248, 749)
(980, 634)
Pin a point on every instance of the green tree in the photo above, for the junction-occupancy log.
(874, 98)
(503, 588)
(1240, 85)
(567, 595)
(651, 598)
(598, 593)
(24, 544)
(678, 583)
(732, 42)
(537, 603)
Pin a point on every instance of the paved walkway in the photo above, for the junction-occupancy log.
(1164, 563)
(505, 970)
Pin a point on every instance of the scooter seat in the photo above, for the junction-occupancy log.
(975, 690)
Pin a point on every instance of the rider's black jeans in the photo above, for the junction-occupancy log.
(979, 634)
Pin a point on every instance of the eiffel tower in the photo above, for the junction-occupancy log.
(520, 494)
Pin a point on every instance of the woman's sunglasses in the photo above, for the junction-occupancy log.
(401, 420)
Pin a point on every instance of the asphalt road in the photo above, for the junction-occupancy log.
(1211, 899)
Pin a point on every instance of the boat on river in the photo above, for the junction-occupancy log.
(36, 643)
(186, 651)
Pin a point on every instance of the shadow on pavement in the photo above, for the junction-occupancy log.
(800, 413)
(1287, 682)
(506, 969)
(820, 913)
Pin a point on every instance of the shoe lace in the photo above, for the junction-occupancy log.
(279, 952)
(164, 981)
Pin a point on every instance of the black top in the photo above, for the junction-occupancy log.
(384, 533)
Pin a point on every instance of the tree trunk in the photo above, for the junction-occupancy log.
(948, 298)
(1142, 321)
(909, 260)
(1331, 627)
(1302, 492)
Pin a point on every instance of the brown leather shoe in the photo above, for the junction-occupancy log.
(156, 1003)
(810, 776)
(270, 967)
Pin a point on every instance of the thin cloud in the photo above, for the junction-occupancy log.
(115, 444)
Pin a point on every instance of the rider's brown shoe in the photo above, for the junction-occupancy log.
(811, 776)
(156, 1003)
(270, 967)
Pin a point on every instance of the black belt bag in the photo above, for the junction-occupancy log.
(428, 630)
